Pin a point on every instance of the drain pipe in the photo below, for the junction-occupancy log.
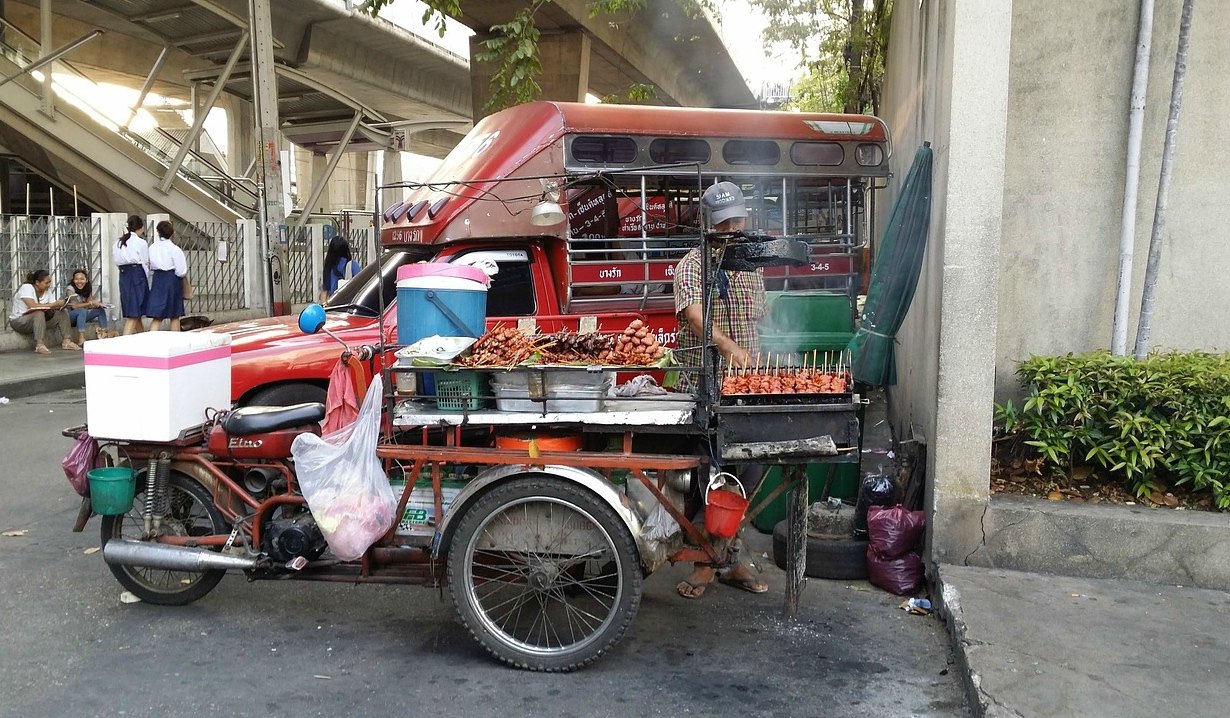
(1127, 222)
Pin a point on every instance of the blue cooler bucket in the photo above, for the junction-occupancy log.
(436, 299)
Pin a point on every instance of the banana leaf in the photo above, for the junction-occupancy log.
(894, 277)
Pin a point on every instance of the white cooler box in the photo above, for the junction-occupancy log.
(152, 386)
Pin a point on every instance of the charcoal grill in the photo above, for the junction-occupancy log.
(758, 418)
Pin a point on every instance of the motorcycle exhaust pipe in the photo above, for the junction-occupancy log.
(125, 552)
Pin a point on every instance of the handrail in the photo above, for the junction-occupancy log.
(158, 144)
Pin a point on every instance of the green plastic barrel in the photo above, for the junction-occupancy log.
(112, 489)
(844, 486)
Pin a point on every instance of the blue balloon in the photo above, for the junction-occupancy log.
(311, 319)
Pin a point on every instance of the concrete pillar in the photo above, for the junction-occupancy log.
(391, 173)
(241, 144)
(971, 126)
(255, 278)
(320, 174)
(110, 226)
(316, 243)
(565, 70)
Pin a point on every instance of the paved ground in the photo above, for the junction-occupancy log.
(304, 649)
(1055, 646)
(24, 373)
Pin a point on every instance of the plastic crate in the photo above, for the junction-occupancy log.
(461, 390)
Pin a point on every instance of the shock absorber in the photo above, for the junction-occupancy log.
(157, 501)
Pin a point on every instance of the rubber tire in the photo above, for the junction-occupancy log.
(837, 557)
(286, 395)
(580, 498)
(133, 582)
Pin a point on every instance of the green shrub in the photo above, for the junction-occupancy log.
(1162, 419)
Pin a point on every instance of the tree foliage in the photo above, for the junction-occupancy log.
(512, 47)
(844, 45)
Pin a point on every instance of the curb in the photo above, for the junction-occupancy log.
(43, 384)
(981, 704)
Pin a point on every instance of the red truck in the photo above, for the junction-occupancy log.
(628, 180)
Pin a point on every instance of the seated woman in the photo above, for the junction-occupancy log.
(84, 307)
(34, 309)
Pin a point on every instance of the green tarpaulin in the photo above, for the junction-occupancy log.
(894, 275)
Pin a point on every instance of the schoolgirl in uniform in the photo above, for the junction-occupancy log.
(131, 255)
(169, 266)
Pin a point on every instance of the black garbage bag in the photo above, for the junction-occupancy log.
(875, 490)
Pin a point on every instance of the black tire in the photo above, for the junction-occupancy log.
(286, 395)
(839, 557)
(192, 513)
(542, 567)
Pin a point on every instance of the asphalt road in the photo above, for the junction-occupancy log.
(71, 648)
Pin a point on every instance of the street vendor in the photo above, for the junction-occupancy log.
(737, 306)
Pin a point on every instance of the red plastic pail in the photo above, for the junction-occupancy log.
(724, 510)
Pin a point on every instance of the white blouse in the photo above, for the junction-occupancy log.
(164, 254)
(137, 252)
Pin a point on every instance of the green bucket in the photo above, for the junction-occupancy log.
(112, 489)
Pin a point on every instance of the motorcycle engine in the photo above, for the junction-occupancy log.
(289, 538)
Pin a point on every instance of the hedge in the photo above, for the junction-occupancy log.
(1163, 419)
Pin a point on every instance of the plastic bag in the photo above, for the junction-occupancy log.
(895, 531)
(900, 575)
(78, 462)
(659, 525)
(875, 490)
(344, 483)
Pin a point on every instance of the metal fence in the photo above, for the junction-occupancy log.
(215, 254)
(357, 238)
(299, 280)
(58, 244)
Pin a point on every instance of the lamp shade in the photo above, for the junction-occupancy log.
(546, 213)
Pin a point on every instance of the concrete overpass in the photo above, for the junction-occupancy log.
(349, 83)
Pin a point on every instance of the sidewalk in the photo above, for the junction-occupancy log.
(1038, 645)
(24, 373)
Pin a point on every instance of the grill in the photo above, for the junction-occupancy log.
(780, 418)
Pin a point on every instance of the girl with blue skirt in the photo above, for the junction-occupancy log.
(131, 255)
(169, 266)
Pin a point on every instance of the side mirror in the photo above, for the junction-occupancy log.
(312, 319)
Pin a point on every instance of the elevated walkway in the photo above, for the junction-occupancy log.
(109, 167)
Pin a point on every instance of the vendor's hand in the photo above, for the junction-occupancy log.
(738, 356)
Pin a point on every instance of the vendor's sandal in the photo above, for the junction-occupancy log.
(41, 349)
(745, 583)
(692, 589)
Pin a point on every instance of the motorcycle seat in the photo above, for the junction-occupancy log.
(264, 419)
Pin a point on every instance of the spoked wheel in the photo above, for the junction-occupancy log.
(544, 574)
(191, 513)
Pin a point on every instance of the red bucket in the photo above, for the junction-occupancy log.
(724, 510)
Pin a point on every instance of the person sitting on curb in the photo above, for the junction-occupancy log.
(35, 309)
(84, 307)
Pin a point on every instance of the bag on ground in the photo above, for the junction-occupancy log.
(344, 483)
(893, 561)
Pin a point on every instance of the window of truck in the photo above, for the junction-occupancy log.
(511, 293)
(360, 296)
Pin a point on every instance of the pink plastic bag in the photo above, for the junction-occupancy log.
(901, 575)
(894, 531)
(78, 462)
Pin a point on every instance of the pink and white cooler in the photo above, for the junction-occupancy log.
(152, 386)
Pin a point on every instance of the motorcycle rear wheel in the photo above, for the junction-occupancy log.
(191, 513)
(544, 574)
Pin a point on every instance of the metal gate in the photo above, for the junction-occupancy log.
(215, 254)
(299, 280)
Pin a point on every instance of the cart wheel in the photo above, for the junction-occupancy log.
(544, 574)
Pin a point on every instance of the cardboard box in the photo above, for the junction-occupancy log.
(420, 510)
(155, 385)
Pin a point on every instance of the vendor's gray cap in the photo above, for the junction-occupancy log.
(723, 201)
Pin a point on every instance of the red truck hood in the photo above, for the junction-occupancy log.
(283, 332)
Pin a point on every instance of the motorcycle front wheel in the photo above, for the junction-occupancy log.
(544, 574)
(191, 512)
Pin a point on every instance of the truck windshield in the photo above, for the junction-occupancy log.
(360, 296)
